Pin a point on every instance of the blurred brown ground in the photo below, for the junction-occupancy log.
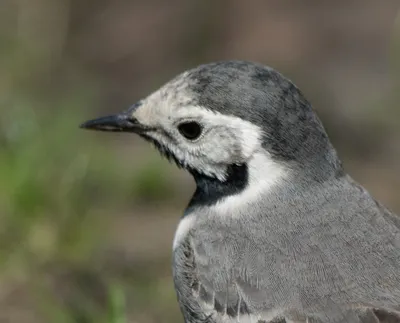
(344, 55)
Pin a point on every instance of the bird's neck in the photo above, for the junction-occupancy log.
(260, 178)
(243, 183)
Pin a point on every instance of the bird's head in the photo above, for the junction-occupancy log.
(230, 124)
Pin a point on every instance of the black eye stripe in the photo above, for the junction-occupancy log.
(190, 130)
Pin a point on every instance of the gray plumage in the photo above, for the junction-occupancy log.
(276, 230)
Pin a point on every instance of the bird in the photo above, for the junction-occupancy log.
(276, 230)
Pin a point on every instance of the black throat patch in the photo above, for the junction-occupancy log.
(210, 190)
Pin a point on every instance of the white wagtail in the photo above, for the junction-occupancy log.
(276, 231)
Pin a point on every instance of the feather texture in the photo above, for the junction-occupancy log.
(333, 258)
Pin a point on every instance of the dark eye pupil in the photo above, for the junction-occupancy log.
(190, 130)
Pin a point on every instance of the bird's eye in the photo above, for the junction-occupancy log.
(190, 130)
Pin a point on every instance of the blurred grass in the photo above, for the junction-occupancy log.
(47, 187)
(54, 177)
(54, 180)
(116, 305)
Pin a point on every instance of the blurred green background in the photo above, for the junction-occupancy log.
(87, 219)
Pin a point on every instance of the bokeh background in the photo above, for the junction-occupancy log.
(87, 219)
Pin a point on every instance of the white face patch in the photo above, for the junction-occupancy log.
(225, 139)
(249, 135)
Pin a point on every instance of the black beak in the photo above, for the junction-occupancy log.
(121, 122)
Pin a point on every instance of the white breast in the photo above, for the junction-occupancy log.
(183, 229)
